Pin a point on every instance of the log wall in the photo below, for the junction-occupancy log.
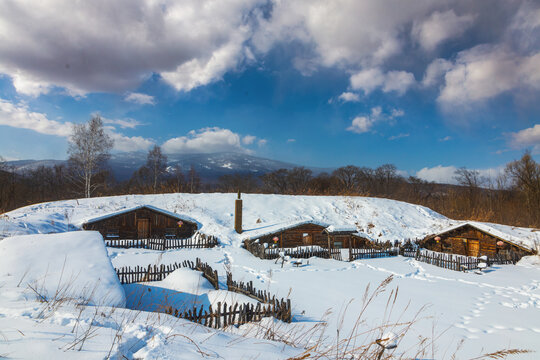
(470, 241)
(125, 226)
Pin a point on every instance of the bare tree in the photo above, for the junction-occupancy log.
(275, 181)
(298, 179)
(194, 180)
(348, 177)
(156, 162)
(525, 176)
(88, 151)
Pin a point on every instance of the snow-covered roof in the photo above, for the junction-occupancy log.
(523, 237)
(275, 228)
(341, 229)
(364, 235)
(130, 209)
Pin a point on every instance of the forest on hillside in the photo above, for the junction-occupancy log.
(513, 198)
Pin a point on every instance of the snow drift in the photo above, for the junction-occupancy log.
(73, 265)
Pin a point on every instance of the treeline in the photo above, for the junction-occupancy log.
(513, 198)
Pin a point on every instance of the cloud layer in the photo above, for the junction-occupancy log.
(114, 46)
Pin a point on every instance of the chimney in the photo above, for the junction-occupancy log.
(238, 214)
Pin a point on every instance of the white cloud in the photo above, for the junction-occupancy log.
(529, 137)
(446, 174)
(248, 139)
(291, 140)
(349, 96)
(364, 123)
(367, 80)
(262, 142)
(398, 81)
(206, 140)
(123, 123)
(446, 138)
(438, 174)
(397, 113)
(399, 136)
(484, 72)
(20, 116)
(141, 99)
(371, 79)
(345, 33)
(128, 144)
(202, 71)
(361, 124)
(115, 46)
(439, 27)
(435, 72)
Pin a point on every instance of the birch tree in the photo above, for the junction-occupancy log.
(89, 149)
(156, 162)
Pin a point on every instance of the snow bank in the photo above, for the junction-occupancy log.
(74, 264)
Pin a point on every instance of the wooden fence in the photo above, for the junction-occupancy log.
(303, 252)
(129, 275)
(447, 261)
(248, 290)
(197, 241)
(236, 314)
(357, 254)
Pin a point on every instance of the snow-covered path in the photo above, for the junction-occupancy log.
(496, 310)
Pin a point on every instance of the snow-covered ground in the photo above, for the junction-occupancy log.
(465, 314)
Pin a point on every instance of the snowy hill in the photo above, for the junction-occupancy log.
(383, 219)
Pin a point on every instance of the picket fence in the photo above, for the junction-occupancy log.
(236, 314)
(357, 254)
(130, 275)
(447, 261)
(197, 241)
(248, 290)
(302, 252)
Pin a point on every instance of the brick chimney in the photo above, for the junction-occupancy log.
(238, 214)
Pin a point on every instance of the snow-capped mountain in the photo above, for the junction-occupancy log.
(208, 166)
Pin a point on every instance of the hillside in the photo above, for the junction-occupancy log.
(384, 219)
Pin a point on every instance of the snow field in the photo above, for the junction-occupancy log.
(497, 310)
(461, 314)
(76, 308)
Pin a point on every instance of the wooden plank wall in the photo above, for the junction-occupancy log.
(124, 226)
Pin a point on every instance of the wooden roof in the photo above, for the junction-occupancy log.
(148, 207)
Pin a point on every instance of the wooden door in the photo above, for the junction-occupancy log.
(143, 228)
(307, 239)
(473, 247)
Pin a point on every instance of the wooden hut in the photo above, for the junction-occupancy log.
(347, 237)
(478, 239)
(142, 222)
(299, 233)
(305, 233)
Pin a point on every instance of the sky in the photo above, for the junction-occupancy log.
(429, 86)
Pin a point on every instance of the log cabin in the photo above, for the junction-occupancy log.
(340, 237)
(479, 239)
(305, 233)
(142, 222)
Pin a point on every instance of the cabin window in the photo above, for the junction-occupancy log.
(338, 244)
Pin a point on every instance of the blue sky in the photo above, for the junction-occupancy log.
(427, 86)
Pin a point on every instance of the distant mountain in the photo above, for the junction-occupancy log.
(21, 166)
(209, 166)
